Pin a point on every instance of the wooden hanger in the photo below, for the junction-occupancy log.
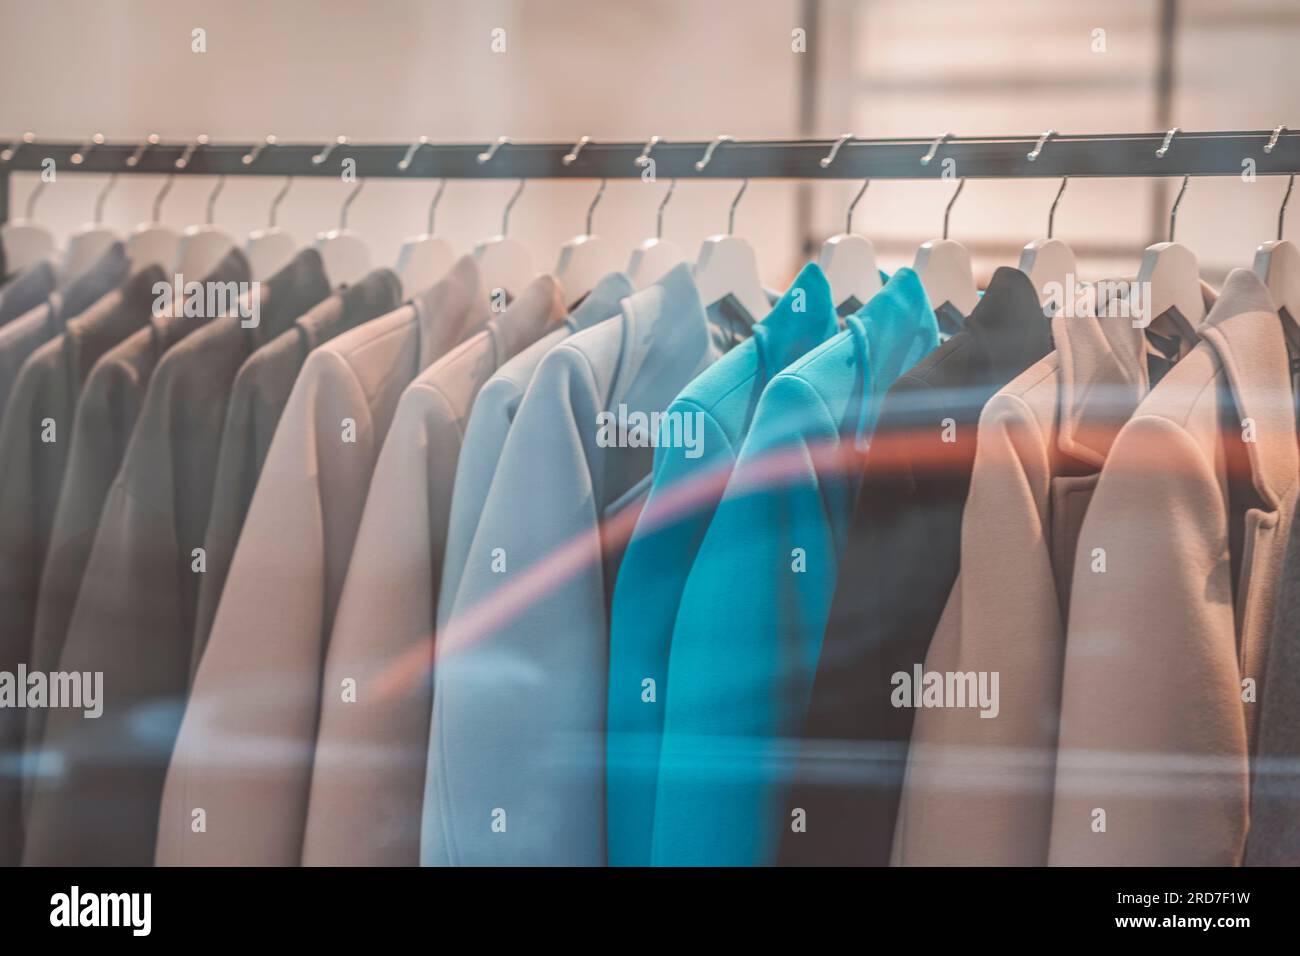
(943, 265)
(1048, 262)
(849, 260)
(269, 250)
(425, 258)
(726, 265)
(26, 242)
(1277, 262)
(1169, 269)
(88, 242)
(152, 243)
(505, 263)
(585, 259)
(655, 257)
(345, 255)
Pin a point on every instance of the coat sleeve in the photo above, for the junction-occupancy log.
(745, 644)
(368, 775)
(244, 753)
(979, 777)
(1153, 766)
(515, 770)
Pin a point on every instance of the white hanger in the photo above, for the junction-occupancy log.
(726, 264)
(585, 259)
(26, 242)
(88, 242)
(849, 260)
(1169, 269)
(424, 259)
(1277, 263)
(505, 263)
(345, 255)
(152, 243)
(652, 260)
(203, 246)
(269, 250)
(1048, 262)
(943, 265)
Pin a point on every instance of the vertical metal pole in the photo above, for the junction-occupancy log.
(4, 197)
(1165, 80)
(807, 121)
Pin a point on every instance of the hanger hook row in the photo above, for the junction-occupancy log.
(1173, 212)
(659, 217)
(947, 212)
(572, 155)
(1272, 140)
(347, 204)
(829, 158)
(79, 157)
(848, 219)
(404, 163)
(731, 214)
(934, 148)
(324, 154)
(594, 203)
(644, 159)
(1037, 151)
(1051, 213)
(711, 149)
(433, 205)
(505, 215)
(486, 157)
(133, 160)
(191, 149)
(1169, 139)
(9, 151)
(249, 158)
(277, 199)
(1281, 213)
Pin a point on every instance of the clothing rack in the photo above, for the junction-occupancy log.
(1048, 155)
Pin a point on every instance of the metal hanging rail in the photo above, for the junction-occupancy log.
(1172, 153)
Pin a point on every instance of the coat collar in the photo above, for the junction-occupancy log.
(1246, 333)
(451, 310)
(1104, 377)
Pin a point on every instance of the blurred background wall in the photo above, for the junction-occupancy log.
(393, 70)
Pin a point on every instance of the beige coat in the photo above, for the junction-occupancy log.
(978, 790)
(244, 752)
(1157, 724)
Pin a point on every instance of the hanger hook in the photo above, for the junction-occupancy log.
(162, 194)
(32, 197)
(250, 157)
(934, 149)
(433, 205)
(839, 144)
(191, 149)
(1272, 140)
(961, 184)
(1173, 212)
(133, 160)
(347, 204)
(505, 215)
(572, 155)
(848, 218)
(324, 154)
(277, 199)
(644, 159)
(659, 218)
(103, 194)
(212, 197)
(710, 150)
(731, 215)
(1169, 139)
(404, 163)
(486, 157)
(1037, 151)
(594, 203)
(1281, 213)
(79, 157)
(1051, 213)
(9, 151)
